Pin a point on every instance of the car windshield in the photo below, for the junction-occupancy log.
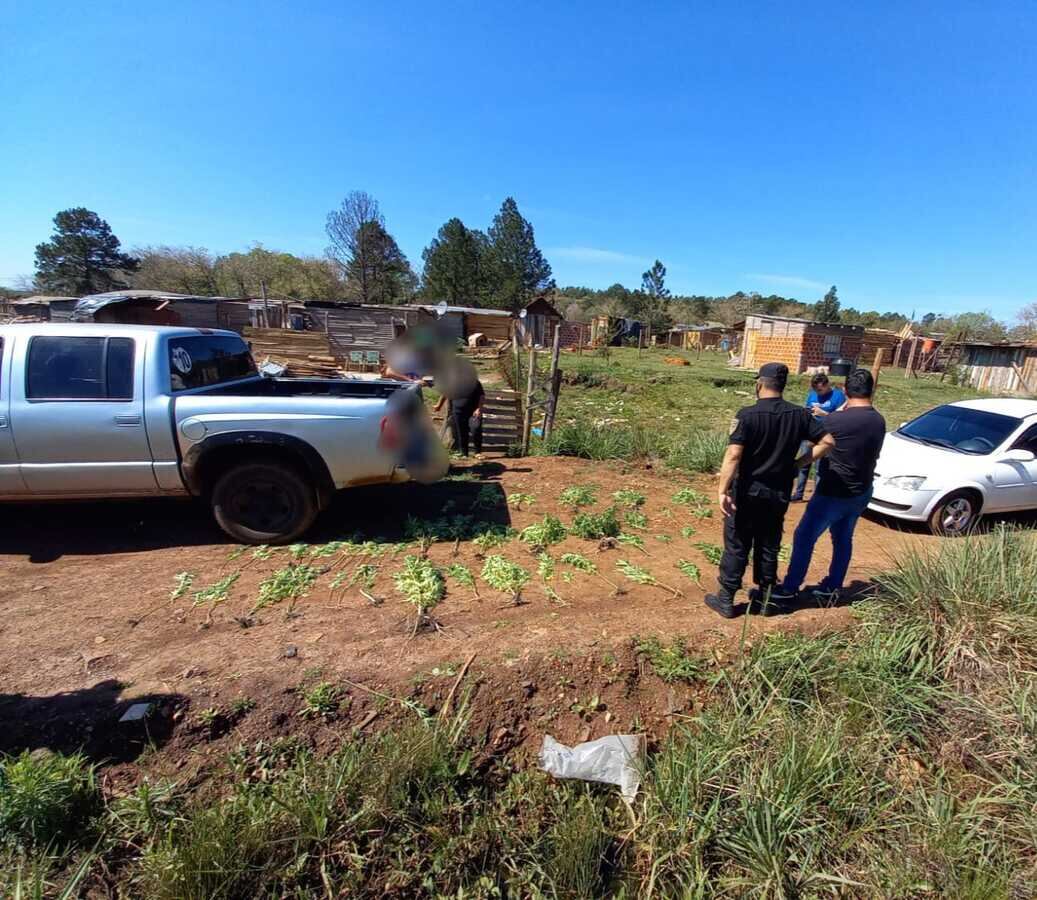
(207, 360)
(962, 429)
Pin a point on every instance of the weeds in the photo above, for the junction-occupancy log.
(629, 499)
(636, 519)
(690, 497)
(321, 701)
(672, 663)
(519, 500)
(544, 533)
(688, 531)
(46, 799)
(698, 451)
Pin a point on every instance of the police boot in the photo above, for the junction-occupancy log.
(768, 601)
(721, 604)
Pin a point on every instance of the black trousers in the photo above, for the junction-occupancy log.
(461, 422)
(755, 527)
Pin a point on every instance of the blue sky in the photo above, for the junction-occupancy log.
(890, 149)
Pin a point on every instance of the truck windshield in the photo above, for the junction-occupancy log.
(960, 428)
(206, 360)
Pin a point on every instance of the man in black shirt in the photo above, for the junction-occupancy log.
(755, 483)
(843, 491)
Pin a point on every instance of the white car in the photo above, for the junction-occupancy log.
(958, 461)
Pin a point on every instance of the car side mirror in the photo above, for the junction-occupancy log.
(1018, 455)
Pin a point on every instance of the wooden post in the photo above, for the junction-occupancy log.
(876, 367)
(552, 383)
(911, 358)
(517, 354)
(527, 416)
(266, 306)
(896, 356)
(640, 342)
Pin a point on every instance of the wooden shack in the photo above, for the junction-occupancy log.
(41, 307)
(1002, 368)
(464, 321)
(539, 323)
(799, 343)
(876, 339)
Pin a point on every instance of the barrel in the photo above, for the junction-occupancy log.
(840, 367)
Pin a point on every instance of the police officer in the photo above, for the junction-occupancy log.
(755, 483)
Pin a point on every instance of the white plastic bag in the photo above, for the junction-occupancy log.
(615, 759)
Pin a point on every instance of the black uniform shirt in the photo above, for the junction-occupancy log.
(770, 433)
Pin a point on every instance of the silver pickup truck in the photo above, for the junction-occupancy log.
(99, 411)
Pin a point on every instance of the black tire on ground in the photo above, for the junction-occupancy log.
(956, 514)
(264, 503)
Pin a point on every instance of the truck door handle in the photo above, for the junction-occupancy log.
(127, 420)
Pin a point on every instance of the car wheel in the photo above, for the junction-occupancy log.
(263, 503)
(956, 514)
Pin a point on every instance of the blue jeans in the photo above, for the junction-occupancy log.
(836, 514)
(803, 475)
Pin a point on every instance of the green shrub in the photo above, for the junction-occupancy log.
(46, 798)
(698, 451)
(593, 526)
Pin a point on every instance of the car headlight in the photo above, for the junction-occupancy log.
(906, 482)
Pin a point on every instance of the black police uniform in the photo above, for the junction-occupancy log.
(770, 434)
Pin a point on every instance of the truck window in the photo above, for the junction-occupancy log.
(206, 360)
(80, 368)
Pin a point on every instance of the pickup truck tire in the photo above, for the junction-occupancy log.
(264, 503)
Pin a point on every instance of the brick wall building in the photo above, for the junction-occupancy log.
(798, 343)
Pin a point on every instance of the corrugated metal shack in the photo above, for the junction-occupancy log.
(40, 307)
(356, 328)
(464, 321)
(142, 307)
(1009, 368)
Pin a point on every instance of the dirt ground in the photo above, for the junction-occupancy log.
(88, 626)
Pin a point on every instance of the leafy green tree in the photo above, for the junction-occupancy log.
(179, 270)
(82, 257)
(380, 273)
(516, 269)
(827, 308)
(454, 265)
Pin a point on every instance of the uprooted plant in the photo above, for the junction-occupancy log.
(421, 584)
(463, 576)
(505, 576)
(643, 576)
(582, 564)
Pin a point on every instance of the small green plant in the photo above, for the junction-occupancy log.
(636, 519)
(493, 537)
(544, 533)
(579, 495)
(242, 705)
(690, 569)
(594, 526)
(489, 497)
(505, 576)
(545, 566)
(291, 583)
(422, 585)
(182, 582)
(463, 576)
(332, 548)
(46, 798)
(664, 538)
(363, 574)
(629, 499)
(702, 512)
(712, 552)
(237, 553)
(586, 709)
(322, 700)
(208, 717)
(643, 576)
(299, 551)
(690, 497)
(672, 663)
(633, 540)
(582, 564)
(687, 531)
(519, 500)
(217, 592)
(263, 552)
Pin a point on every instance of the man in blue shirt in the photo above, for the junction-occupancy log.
(822, 400)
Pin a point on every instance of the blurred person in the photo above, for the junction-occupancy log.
(823, 399)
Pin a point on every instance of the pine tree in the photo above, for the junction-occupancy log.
(827, 309)
(454, 265)
(653, 296)
(517, 269)
(83, 256)
(379, 272)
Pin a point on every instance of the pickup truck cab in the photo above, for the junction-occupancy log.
(90, 411)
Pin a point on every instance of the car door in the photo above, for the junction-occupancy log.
(11, 483)
(1015, 482)
(78, 416)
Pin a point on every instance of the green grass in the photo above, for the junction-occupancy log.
(630, 406)
(897, 758)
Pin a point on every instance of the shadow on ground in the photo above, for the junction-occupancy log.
(45, 532)
(87, 720)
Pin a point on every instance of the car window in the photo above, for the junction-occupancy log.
(961, 428)
(79, 368)
(1027, 440)
(207, 360)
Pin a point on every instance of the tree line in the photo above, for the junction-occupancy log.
(501, 267)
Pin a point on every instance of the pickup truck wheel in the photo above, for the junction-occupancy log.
(956, 514)
(263, 503)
